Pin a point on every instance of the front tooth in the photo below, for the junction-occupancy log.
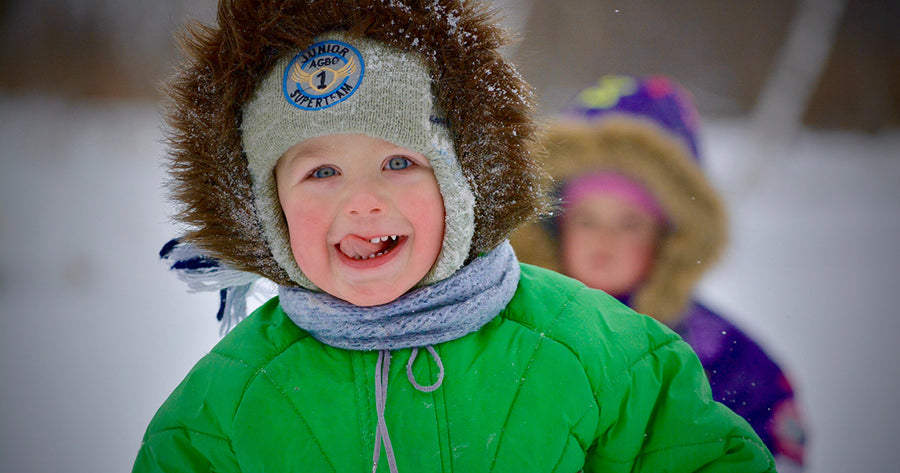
(384, 238)
(375, 240)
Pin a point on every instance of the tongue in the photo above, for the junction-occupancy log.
(356, 247)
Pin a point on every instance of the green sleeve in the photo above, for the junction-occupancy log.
(191, 431)
(180, 450)
(665, 420)
(655, 405)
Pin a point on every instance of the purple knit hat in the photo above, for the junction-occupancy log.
(656, 98)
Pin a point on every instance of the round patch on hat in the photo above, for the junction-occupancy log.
(323, 75)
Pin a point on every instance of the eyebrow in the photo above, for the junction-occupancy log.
(310, 149)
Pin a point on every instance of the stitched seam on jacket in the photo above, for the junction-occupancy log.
(515, 399)
(612, 379)
(537, 346)
(256, 372)
(686, 445)
(547, 334)
(357, 361)
(299, 417)
(261, 370)
(257, 369)
(617, 378)
(192, 431)
(549, 331)
(445, 460)
(232, 358)
(630, 367)
(563, 453)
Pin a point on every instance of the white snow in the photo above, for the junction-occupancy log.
(813, 273)
(95, 333)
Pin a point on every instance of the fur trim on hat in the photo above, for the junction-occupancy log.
(642, 150)
(489, 107)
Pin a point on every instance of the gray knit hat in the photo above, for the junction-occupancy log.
(341, 85)
(425, 75)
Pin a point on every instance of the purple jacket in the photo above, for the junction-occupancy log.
(746, 380)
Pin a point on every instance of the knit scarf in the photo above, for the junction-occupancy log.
(428, 315)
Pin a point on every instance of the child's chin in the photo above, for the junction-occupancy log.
(366, 299)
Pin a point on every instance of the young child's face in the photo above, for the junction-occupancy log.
(608, 243)
(365, 217)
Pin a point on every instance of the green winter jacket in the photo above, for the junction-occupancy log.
(564, 379)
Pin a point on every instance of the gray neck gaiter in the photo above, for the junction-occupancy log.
(428, 315)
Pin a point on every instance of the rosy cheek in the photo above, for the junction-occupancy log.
(312, 226)
(301, 219)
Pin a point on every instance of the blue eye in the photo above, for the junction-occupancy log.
(324, 172)
(398, 162)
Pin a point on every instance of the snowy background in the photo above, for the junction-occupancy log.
(95, 333)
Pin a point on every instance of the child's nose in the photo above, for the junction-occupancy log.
(364, 198)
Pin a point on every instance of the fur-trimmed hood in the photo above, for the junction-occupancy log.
(488, 106)
(666, 166)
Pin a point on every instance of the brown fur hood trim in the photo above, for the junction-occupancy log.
(489, 107)
(644, 151)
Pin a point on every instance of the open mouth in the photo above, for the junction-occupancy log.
(359, 248)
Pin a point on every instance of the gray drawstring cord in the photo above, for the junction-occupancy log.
(382, 371)
(412, 378)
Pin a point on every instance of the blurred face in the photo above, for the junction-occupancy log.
(365, 217)
(608, 243)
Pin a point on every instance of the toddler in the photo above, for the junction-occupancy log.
(640, 221)
(371, 157)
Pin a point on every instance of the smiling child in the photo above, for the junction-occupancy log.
(371, 158)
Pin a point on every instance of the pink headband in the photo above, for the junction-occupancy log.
(608, 182)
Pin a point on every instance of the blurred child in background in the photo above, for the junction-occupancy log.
(639, 220)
